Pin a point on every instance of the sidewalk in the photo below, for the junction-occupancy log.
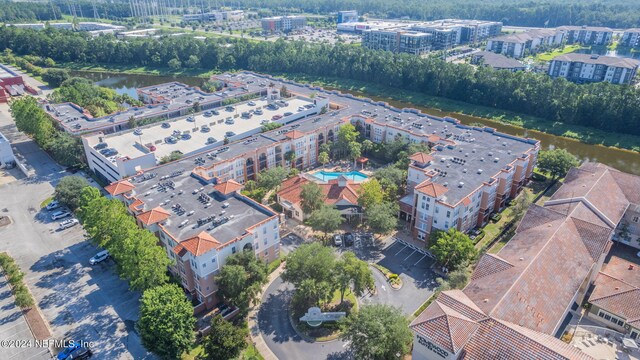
(254, 330)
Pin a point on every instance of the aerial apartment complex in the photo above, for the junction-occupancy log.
(584, 68)
(194, 204)
(419, 37)
(518, 45)
(519, 299)
(587, 35)
(283, 23)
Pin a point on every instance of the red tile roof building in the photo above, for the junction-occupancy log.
(341, 193)
(517, 299)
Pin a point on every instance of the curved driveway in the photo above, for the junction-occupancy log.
(279, 335)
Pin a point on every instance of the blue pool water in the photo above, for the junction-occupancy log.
(330, 175)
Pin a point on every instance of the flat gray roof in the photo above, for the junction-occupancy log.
(598, 60)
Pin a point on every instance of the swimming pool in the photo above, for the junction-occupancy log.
(331, 175)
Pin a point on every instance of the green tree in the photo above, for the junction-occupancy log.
(456, 279)
(55, 77)
(556, 162)
(225, 341)
(174, 64)
(355, 151)
(370, 193)
(367, 146)
(312, 197)
(271, 178)
(377, 332)
(284, 92)
(69, 190)
(325, 219)
(323, 158)
(173, 156)
(382, 218)
(166, 321)
(353, 273)
(291, 157)
(193, 61)
(241, 279)
(342, 147)
(310, 268)
(452, 248)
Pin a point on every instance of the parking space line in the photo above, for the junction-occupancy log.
(410, 255)
(423, 256)
(404, 247)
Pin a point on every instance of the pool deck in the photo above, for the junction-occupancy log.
(340, 169)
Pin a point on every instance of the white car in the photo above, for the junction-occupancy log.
(53, 205)
(68, 223)
(60, 214)
(99, 257)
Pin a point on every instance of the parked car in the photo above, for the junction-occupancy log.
(60, 214)
(137, 132)
(229, 121)
(205, 129)
(229, 108)
(251, 103)
(348, 239)
(165, 125)
(208, 114)
(288, 113)
(81, 354)
(99, 257)
(211, 140)
(258, 112)
(215, 112)
(68, 223)
(53, 205)
(246, 115)
(337, 240)
(276, 117)
(186, 136)
(229, 134)
(191, 119)
(67, 351)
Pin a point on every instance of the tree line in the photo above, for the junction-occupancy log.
(601, 106)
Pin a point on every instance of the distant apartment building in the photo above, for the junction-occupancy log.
(61, 26)
(347, 16)
(35, 26)
(630, 38)
(418, 38)
(496, 61)
(411, 42)
(199, 223)
(587, 35)
(215, 16)
(283, 23)
(518, 45)
(584, 68)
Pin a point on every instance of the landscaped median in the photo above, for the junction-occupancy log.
(327, 331)
(23, 298)
(392, 278)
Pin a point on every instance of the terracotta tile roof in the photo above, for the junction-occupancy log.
(154, 216)
(198, 245)
(490, 264)
(295, 134)
(496, 339)
(444, 326)
(136, 205)
(432, 189)
(617, 289)
(228, 187)
(421, 157)
(291, 191)
(120, 187)
(466, 201)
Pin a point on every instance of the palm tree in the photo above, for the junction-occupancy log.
(323, 158)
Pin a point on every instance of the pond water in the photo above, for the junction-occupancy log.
(624, 160)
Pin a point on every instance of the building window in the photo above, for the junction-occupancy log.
(636, 219)
(213, 261)
(233, 250)
(448, 213)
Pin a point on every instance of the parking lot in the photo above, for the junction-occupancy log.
(79, 301)
(323, 36)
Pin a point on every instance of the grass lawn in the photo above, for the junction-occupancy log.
(547, 56)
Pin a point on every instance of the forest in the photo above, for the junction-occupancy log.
(545, 13)
(603, 106)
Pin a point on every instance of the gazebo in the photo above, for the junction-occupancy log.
(362, 160)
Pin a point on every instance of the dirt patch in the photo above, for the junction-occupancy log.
(4, 221)
(37, 323)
